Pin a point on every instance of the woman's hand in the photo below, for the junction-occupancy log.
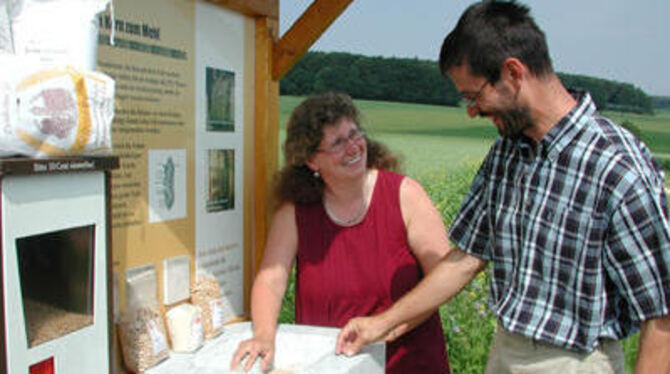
(251, 349)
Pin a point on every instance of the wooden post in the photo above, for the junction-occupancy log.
(266, 133)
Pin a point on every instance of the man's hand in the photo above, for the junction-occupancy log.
(654, 352)
(443, 282)
(358, 332)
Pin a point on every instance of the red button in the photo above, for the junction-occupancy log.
(44, 367)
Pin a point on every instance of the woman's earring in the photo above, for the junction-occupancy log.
(316, 174)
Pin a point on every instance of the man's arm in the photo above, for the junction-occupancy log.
(653, 355)
(448, 277)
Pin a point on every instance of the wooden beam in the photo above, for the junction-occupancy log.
(253, 8)
(266, 133)
(249, 124)
(304, 32)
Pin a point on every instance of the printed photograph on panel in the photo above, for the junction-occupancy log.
(167, 184)
(220, 86)
(220, 180)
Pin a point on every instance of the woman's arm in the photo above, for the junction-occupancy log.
(268, 289)
(426, 235)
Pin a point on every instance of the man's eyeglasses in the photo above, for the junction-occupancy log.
(471, 99)
(340, 144)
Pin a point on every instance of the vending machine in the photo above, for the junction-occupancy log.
(55, 310)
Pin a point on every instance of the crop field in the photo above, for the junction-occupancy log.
(442, 149)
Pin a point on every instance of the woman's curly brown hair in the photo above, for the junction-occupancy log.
(295, 182)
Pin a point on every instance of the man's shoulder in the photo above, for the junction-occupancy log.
(603, 135)
(618, 150)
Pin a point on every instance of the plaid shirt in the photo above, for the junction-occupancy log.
(576, 229)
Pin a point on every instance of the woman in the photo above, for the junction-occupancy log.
(362, 236)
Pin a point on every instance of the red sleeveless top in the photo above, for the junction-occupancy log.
(345, 272)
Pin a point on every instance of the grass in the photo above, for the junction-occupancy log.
(468, 324)
(441, 149)
(655, 129)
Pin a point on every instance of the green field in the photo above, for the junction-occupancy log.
(442, 148)
(655, 129)
(440, 139)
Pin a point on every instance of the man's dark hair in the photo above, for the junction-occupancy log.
(489, 32)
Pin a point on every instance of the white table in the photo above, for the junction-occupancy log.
(300, 349)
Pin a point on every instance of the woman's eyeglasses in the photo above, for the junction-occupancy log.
(340, 144)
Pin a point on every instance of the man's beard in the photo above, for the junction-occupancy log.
(515, 121)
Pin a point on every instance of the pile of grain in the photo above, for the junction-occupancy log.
(46, 322)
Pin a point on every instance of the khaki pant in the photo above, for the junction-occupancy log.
(515, 354)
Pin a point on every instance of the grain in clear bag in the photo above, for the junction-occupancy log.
(206, 294)
(141, 328)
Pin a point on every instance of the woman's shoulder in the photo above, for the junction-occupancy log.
(404, 182)
(390, 173)
(390, 176)
(285, 209)
(410, 189)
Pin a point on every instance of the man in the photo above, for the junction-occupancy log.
(567, 207)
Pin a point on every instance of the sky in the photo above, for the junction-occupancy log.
(622, 40)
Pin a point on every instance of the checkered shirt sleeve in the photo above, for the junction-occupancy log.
(471, 228)
(637, 254)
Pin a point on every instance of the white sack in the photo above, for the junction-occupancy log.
(54, 111)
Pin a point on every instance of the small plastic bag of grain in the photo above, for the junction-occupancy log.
(142, 338)
(206, 294)
(141, 329)
(185, 327)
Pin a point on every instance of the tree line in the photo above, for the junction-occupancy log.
(414, 80)
(660, 102)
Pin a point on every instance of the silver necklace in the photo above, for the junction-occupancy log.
(361, 211)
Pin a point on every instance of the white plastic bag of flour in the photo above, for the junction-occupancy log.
(184, 324)
(56, 31)
(54, 111)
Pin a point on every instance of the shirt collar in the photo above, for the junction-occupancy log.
(566, 129)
